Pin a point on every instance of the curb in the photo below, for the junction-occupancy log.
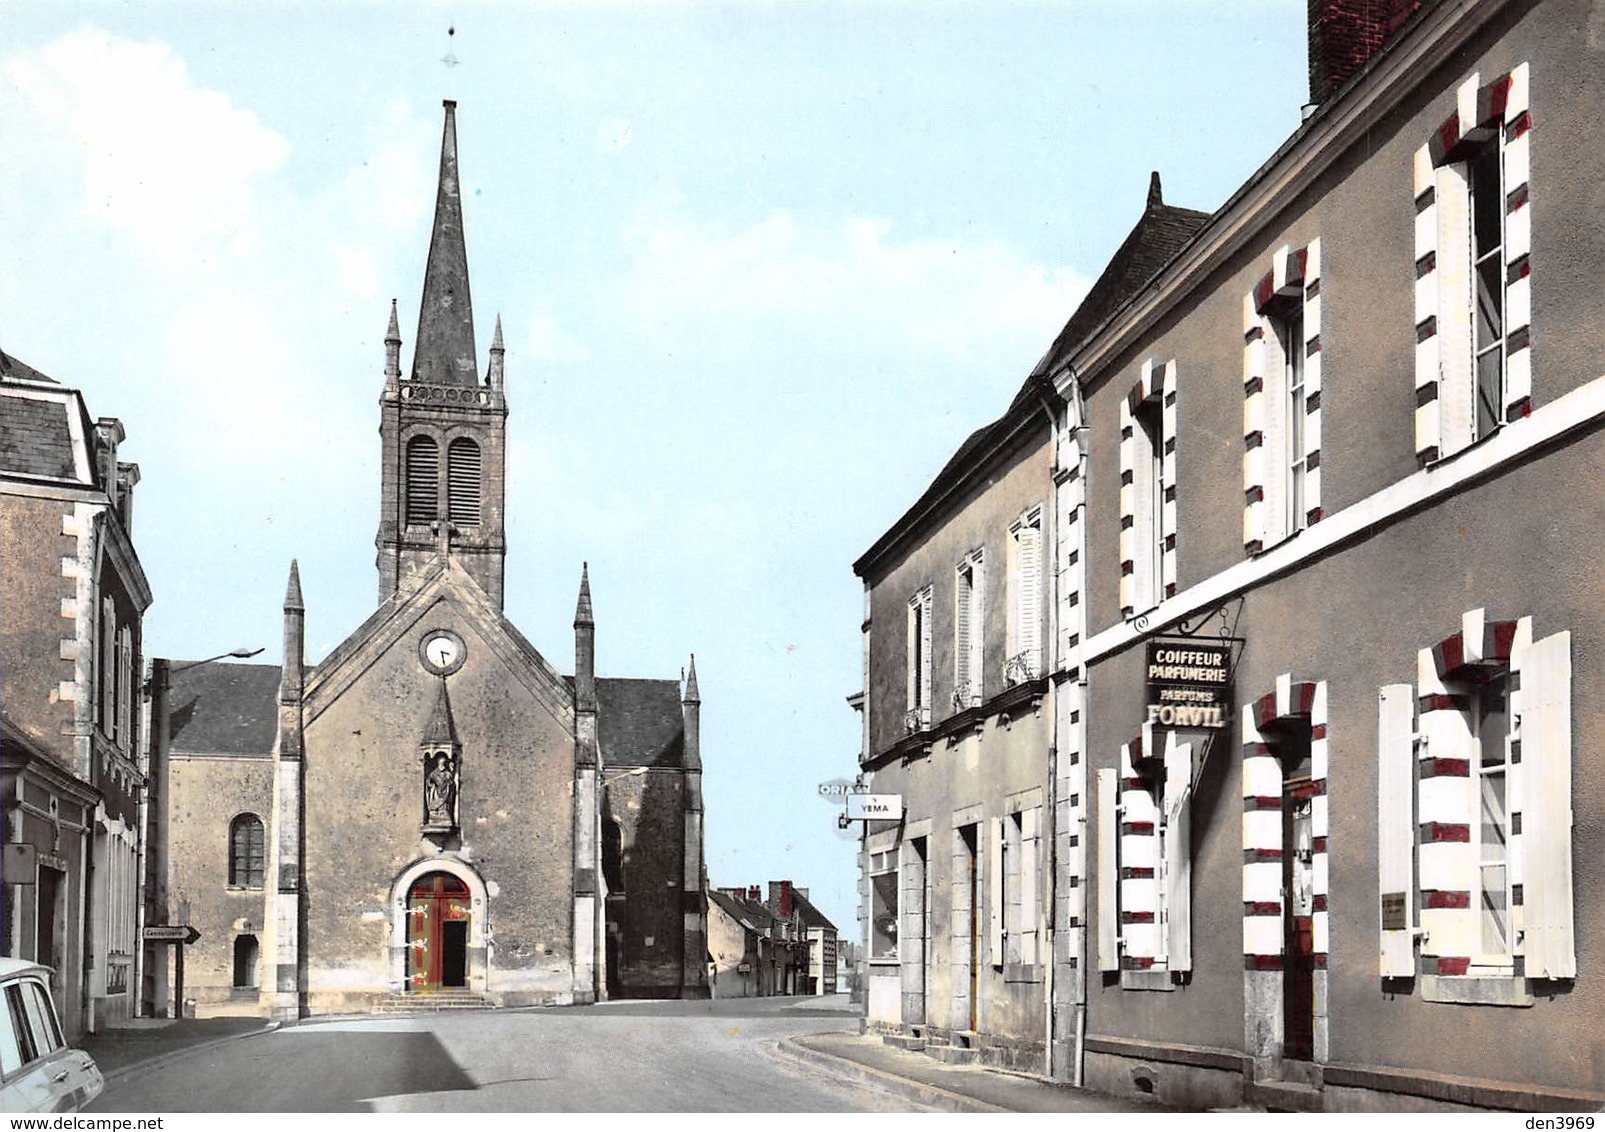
(117, 1077)
(914, 1090)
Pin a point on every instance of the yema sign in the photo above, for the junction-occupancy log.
(1189, 684)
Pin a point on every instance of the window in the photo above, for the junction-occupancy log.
(246, 954)
(1148, 490)
(1282, 399)
(918, 716)
(125, 688)
(462, 482)
(883, 905)
(1144, 861)
(969, 632)
(1475, 810)
(423, 480)
(246, 866)
(1015, 852)
(1473, 294)
(107, 669)
(1024, 645)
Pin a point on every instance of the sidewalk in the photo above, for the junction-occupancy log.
(954, 1088)
(139, 1042)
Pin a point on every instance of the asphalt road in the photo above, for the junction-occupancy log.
(617, 1057)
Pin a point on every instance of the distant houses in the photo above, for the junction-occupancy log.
(775, 943)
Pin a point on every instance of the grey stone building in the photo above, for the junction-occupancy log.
(434, 809)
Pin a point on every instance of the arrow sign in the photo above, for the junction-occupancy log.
(171, 933)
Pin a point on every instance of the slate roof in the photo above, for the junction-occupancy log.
(640, 722)
(811, 917)
(35, 437)
(736, 909)
(224, 709)
(1161, 232)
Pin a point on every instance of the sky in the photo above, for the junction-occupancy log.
(761, 267)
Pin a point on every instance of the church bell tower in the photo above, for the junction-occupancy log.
(443, 429)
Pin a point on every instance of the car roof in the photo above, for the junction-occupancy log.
(10, 967)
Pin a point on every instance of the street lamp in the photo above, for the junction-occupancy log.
(239, 654)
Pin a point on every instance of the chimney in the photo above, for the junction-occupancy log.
(785, 899)
(754, 894)
(1345, 35)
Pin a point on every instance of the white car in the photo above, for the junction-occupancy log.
(38, 1071)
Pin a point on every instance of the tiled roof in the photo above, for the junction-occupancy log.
(224, 709)
(1161, 232)
(640, 722)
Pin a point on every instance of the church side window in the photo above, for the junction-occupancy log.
(423, 480)
(462, 481)
(246, 862)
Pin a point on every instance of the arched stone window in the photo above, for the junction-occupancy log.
(247, 858)
(462, 481)
(423, 480)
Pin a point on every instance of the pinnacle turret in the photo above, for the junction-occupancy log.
(582, 611)
(292, 592)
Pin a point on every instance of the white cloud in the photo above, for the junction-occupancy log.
(170, 165)
(955, 297)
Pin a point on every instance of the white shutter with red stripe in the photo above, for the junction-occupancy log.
(1178, 850)
(1545, 669)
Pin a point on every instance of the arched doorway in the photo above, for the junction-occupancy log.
(439, 916)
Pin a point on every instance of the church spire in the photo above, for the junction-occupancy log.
(443, 353)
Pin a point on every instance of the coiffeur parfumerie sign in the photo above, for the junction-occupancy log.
(1189, 684)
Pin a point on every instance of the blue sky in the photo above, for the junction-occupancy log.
(761, 267)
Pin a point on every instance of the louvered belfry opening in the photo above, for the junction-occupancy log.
(462, 482)
(423, 480)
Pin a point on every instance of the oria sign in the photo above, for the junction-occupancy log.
(1189, 684)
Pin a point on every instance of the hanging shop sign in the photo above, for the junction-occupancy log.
(1189, 684)
(874, 807)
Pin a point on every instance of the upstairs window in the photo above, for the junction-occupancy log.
(462, 482)
(1473, 296)
(1148, 490)
(247, 857)
(423, 480)
(918, 716)
(1024, 631)
(1282, 399)
(969, 632)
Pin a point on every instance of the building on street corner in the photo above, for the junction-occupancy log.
(71, 616)
(1322, 636)
(434, 810)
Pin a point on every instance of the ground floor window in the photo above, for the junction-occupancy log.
(883, 904)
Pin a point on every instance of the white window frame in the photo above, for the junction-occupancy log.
(1498, 960)
(920, 638)
(1023, 653)
(1489, 120)
(969, 630)
(882, 864)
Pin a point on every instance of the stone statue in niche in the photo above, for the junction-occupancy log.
(440, 792)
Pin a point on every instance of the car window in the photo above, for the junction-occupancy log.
(41, 1018)
(10, 1047)
(17, 1019)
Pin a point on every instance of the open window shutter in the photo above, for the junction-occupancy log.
(1396, 825)
(1178, 851)
(1546, 820)
(1108, 873)
(961, 644)
(925, 657)
(995, 909)
(1028, 884)
(108, 666)
(1031, 596)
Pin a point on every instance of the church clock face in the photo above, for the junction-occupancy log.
(442, 652)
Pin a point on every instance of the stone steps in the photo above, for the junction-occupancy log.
(1285, 1096)
(432, 1002)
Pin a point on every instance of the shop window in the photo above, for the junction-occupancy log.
(883, 883)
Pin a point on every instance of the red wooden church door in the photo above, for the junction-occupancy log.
(438, 913)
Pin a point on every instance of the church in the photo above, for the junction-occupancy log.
(432, 815)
